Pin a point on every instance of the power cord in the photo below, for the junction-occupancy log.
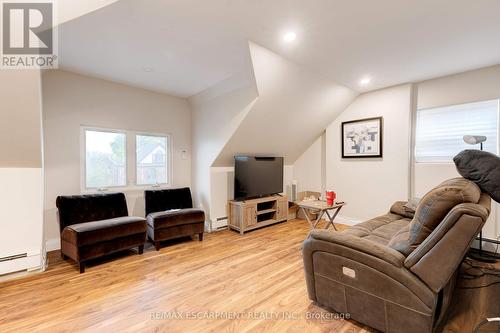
(474, 271)
(487, 321)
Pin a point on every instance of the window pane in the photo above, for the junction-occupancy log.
(440, 131)
(105, 159)
(151, 156)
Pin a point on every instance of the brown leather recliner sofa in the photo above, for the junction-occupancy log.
(396, 273)
(95, 225)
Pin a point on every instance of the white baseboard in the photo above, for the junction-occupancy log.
(52, 244)
(347, 220)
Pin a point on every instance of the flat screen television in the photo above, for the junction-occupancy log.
(256, 176)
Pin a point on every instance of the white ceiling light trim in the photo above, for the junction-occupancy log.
(289, 36)
(365, 81)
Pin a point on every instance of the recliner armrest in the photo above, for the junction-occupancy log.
(362, 245)
(470, 209)
(436, 259)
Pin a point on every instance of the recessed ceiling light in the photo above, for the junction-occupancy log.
(147, 69)
(289, 36)
(364, 81)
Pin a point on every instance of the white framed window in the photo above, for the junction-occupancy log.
(112, 158)
(439, 131)
(105, 158)
(151, 159)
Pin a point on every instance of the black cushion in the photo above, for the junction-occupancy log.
(482, 168)
(104, 230)
(92, 207)
(162, 200)
(166, 219)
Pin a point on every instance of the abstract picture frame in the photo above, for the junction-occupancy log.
(362, 138)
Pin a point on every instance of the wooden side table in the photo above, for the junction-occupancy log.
(321, 208)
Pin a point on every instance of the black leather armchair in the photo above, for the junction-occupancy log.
(170, 214)
(96, 225)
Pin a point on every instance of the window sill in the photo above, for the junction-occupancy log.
(126, 189)
(434, 162)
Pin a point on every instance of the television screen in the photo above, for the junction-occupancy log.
(257, 176)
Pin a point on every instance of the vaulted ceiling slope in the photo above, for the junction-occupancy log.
(293, 107)
(187, 46)
(69, 10)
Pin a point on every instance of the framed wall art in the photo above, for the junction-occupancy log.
(362, 138)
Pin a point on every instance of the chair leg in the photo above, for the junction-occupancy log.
(141, 249)
(63, 256)
(200, 236)
(157, 246)
(82, 267)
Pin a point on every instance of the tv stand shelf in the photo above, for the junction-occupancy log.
(260, 212)
(256, 213)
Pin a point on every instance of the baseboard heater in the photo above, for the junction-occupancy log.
(219, 224)
(20, 262)
(14, 257)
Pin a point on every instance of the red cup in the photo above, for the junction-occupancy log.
(330, 197)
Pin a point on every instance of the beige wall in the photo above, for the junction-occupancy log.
(472, 86)
(71, 100)
(308, 168)
(20, 127)
(370, 186)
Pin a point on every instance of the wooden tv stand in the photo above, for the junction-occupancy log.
(255, 213)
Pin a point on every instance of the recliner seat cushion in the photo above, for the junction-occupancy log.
(432, 209)
(166, 219)
(380, 229)
(99, 231)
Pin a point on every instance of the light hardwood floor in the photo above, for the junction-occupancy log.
(255, 275)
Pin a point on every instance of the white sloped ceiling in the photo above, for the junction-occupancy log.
(293, 108)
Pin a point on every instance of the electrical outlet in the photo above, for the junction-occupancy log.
(349, 272)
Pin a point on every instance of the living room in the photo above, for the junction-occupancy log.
(251, 166)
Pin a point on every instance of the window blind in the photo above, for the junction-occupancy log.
(440, 131)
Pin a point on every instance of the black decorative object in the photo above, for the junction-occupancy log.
(481, 167)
